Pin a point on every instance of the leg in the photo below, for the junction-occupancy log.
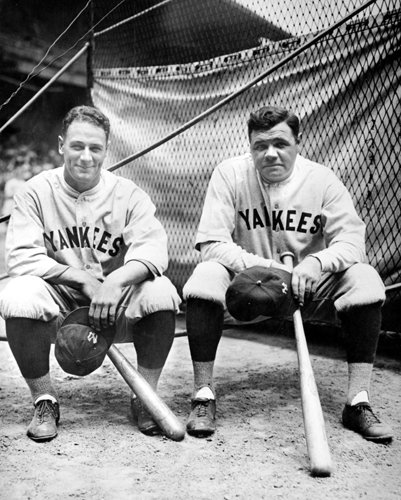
(23, 301)
(153, 337)
(357, 295)
(204, 328)
(29, 342)
(149, 315)
(205, 315)
(362, 329)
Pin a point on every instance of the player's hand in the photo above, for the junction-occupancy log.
(103, 308)
(305, 278)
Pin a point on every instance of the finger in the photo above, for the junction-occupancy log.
(112, 315)
(308, 289)
(301, 291)
(104, 316)
(313, 288)
(91, 313)
(96, 318)
(294, 286)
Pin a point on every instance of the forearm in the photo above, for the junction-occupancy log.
(72, 277)
(339, 256)
(232, 256)
(131, 273)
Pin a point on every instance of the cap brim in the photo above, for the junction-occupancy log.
(79, 316)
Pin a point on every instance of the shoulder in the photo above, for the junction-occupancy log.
(44, 180)
(116, 180)
(315, 170)
(236, 167)
(122, 187)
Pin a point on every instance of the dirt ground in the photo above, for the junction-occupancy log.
(258, 451)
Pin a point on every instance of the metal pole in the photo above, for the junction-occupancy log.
(89, 58)
(241, 90)
(50, 82)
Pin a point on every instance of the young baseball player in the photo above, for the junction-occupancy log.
(258, 206)
(82, 236)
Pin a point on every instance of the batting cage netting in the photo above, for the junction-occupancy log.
(159, 65)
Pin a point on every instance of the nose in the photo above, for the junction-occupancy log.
(86, 155)
(271, 151)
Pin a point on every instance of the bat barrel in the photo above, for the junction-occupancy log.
(161, 413)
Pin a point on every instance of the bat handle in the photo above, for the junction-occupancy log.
(287, 258)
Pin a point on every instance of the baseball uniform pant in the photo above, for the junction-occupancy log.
(33, 298)
(359, 285)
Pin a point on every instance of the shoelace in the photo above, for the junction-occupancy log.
(201, 409)
(45, 408)
(140, 410)
(367, 411)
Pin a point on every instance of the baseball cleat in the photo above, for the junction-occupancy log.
(143, 419)
(360, 418)
(202, 419)
(43, 426)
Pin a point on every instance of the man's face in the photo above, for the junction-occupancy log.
(273, 152)
(84, 149)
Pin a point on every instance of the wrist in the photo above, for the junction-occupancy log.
(316, 258)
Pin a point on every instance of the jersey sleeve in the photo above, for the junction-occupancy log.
(214, 238)
(25, 249)
(144, 235)
(343, 229)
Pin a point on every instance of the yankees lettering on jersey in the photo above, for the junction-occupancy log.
(285, 220)
(83, 237)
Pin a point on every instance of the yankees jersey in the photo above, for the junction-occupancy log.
(53, 227)
(247, 222)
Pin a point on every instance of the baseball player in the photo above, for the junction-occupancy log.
(258, 206)
(82, 236)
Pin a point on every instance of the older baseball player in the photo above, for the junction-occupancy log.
(258, 206)
(80, 235)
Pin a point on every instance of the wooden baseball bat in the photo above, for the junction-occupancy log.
(161, 413)
(315, 433)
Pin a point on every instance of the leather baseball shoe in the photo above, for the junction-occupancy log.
(143, 419)
(360, 418)
(43, 426)
(202, 419)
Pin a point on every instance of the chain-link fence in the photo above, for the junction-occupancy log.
(166, 62)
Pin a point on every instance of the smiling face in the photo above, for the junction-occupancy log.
(273, 152)
(84, 148)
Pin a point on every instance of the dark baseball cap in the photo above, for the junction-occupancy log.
(79, 349)
(260, 291)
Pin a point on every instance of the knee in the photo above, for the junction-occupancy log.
(209, 281)
(27, 297)
(363, 286)
(152, 296)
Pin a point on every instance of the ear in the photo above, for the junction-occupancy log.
(299, 137)
(60, 145)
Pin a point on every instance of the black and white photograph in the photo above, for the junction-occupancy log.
(200, 249)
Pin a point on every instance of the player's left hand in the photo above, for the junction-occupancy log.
(103, 308)
(305, 278)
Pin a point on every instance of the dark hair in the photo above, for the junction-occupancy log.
(86, 114)
(267, 117)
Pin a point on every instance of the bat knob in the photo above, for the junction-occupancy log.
(287, 258)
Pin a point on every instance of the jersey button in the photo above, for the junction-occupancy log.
(88, 266)
(276, 205)
(83, 224)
